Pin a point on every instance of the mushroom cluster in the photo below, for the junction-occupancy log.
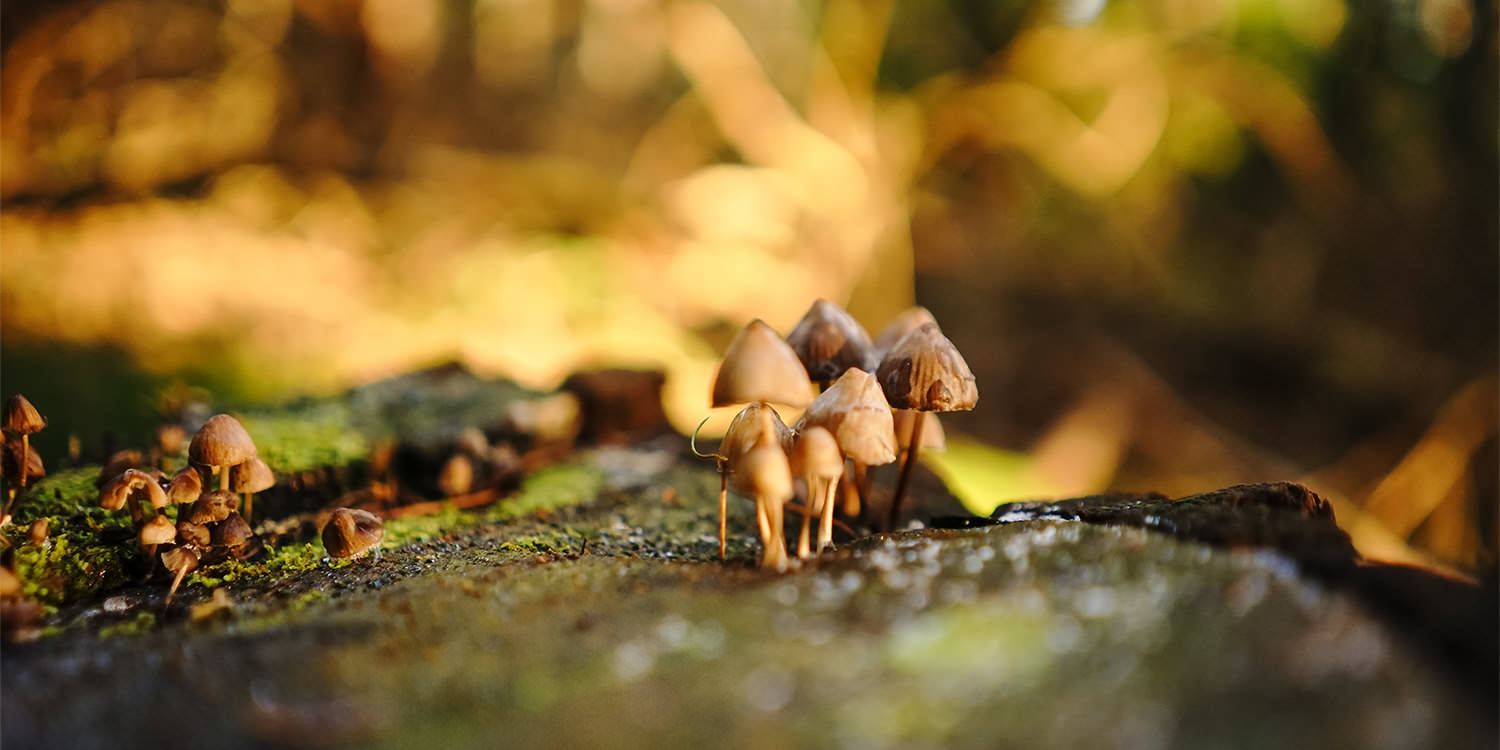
(868, 388)
(21, 462)
(208, 519)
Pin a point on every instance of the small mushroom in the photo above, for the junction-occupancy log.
(37, 534)
(249, 478)
(925, 372)
(220, 443)
(21, 418)
(457, 475)
(213, 507)
(764, 473)
(181, 561)
(760, 366)
(829, 341)
(816, 457)
(15, 477)
(159, 530)
(351, 532)
(741, 435)
(232, 532)
(132, 487)
(854, 409)
(195, 534)
(186, 486)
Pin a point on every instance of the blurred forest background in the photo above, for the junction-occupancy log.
(1183, 243)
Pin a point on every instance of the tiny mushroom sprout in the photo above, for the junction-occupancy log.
(855, 411)
(758, 368)
(763, 472)
(829, 341)
(351, 532)
(221, 443)
(249, 478)
(924, 372)
(816, 457)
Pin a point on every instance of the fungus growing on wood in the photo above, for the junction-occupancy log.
(743, 432)
(232, 532)
(815, 456)
(760, 366)
(22, 420)
(828, 341)
(924, 372)
(249, 478)
(763, 472)
(351, 532)
(213, 507)
(221, 443)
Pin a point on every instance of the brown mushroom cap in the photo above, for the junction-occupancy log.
(21, 418)
(159, 530)
(829, 341)
(180, 559)
(760, 366)
(12, 468)
(932, 430)
(855, 410)
(116, 464)
(213, 507)
(815, 452)
(193, 533)
(924, 371)
(222, 442)
(351, 532)
(232, 531)
(745, 429)
(251, 476)
(186, 486)
(909, 320)
(763, 470)
(150, 490)
(123, 487)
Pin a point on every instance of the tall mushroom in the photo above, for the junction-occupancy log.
(758, 367)
(764, 473)
(925, 372)
(221, 443)
(815, 456)
(22, 419)
(854, 409)
(828, 341)
(249, 478)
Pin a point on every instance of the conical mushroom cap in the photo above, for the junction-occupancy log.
(925, 372)
(763, 470)
(159, 530)
(815, 452)
(759, 366)
(186, 486)
(745, 430)
(213, 507)
(221, 441)
(351, 532)
(232, 531)
(829, 341)
(855, 411)
(932, 430)
(251, 476)
(909, 320)
(21, 418)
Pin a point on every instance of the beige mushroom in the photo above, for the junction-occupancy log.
(221, 443)
(351, 532)
(743, 432)
(760, 366)
(815, 456)
(764, 473)
(854, 409)
(186, 486)
(249, 478)
(181, 561)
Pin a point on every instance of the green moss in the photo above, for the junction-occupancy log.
(144, 622)
(72, 564)
(60, 494)
(549, 489)
(307, 438)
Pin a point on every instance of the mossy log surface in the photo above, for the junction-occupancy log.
(588, 608)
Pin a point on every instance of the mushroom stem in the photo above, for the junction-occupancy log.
(911, 459)
(851, 495)
(181, 573)
(825, 523)
(25, 457)
(804, 543)
(774, 554)
(223, 477)
(723, 513)
(249, 496)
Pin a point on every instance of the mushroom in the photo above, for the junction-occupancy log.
(186, 486)
(249, 478)
(907, 321)
(855, 411)
(743, 432)
(763, 472)
(925, 372)
(21, 418)
(759, 366)
(116, 464)
(351, 532)
(159, 530)
(222, 442)
(213, 507)
(232, 532)
(15, 476)
(195, 534)
(829, 341)
(132, 487)
(38, 532)
(816, 457)
(180, 560)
